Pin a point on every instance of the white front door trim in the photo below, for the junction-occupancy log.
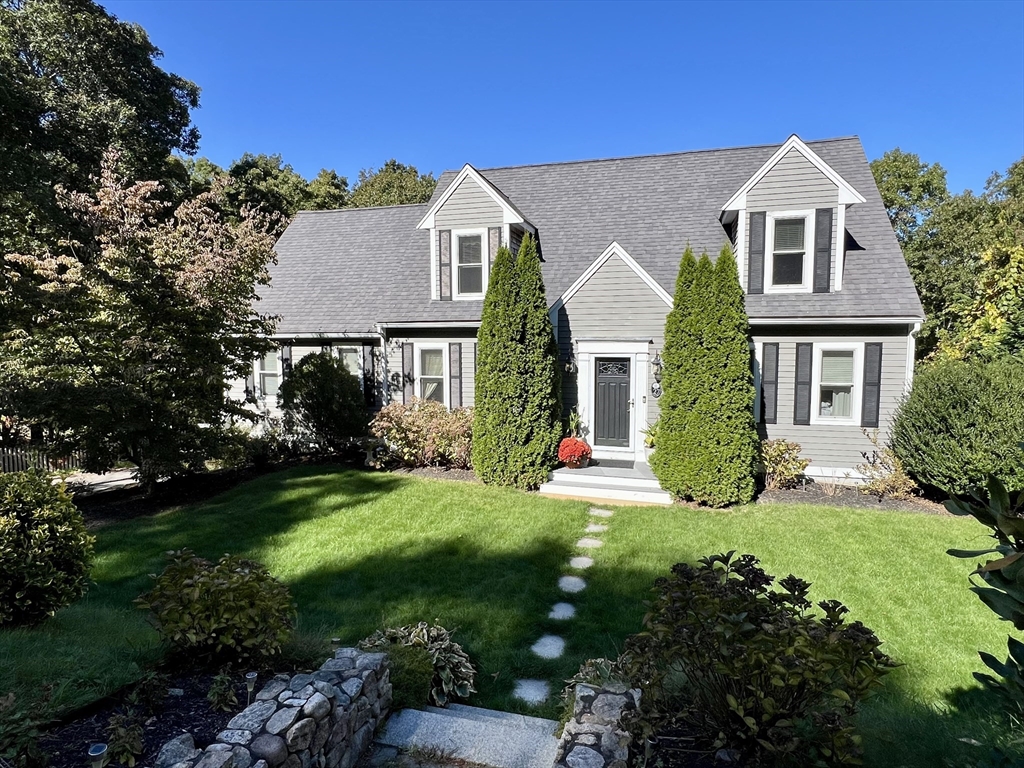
(638, 353)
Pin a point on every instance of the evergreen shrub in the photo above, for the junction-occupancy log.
(517, 410)
(963, 421)
(324, 402)
(45, 551)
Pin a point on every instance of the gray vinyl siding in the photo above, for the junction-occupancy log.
(793, 183)
(614, 304)
(469, 206)
(810, 252)
(838, 445)
(433, 337)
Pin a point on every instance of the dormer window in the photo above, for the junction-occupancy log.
(470, 264)
(790, 264)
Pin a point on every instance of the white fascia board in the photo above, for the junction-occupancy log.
(834, 320)
(434, 324)
(847, 194)
(510, 214)
(612, 250)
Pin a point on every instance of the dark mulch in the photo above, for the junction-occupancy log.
(439, 473)
(67, 742)
(842, 496)
(676, 748)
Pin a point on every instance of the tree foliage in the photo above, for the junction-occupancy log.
(125, 341)
(960, 251)
(392, 184)
(517, 410)
(707, 442)
(76, 81)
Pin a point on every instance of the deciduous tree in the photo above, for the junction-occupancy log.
(129, 338)
(392, 184)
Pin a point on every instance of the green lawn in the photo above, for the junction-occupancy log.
(363, 550)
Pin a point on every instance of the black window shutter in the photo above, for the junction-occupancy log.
(369, 377)
(250, 385)
(872, 384)
(455, 375)
(286, 361)
(802, 399)
(822, 249)
(444, 250)
(755, 259)
(408, 373)
(769, 383)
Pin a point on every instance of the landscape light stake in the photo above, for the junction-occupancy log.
(97, 755)
(250, 684)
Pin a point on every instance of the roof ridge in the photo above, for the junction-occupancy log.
(656, 154)
(361, 208)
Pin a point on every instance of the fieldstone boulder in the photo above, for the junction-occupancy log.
(269, 747)
(235, 736)
(178, 750)
(253, 717)
(271, 690)
(300, 735)
(216, 759)
(584, 757)
(317, 706)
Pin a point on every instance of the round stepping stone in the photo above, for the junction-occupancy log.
(601, 512)
(562, 611)
(595, 528)
(571, 584)
(588, 542)
(581, 562)
(532, 691)
(549, 647)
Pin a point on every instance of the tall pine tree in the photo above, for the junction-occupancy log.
(722, 437)
(677, 399)
(517, 420)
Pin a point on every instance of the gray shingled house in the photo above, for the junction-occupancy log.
(397, 291)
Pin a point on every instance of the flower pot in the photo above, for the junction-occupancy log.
(578, 464)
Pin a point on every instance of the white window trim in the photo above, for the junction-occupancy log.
(484, 262)
(258, 370)
(769, 251)
(857, 391)
(445, 361)
(337, 350)
(758, 348)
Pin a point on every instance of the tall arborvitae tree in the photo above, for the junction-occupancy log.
(541, 428)
(676, 400)
(516, 422)
(498, 370)
(722, 438)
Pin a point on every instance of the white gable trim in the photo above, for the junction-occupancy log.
(510, 214)
(847, 194)
(612, 250)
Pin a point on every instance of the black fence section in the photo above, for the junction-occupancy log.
(22, 458)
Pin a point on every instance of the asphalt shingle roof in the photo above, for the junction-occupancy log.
(343, 271)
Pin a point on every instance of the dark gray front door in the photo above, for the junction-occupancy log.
(611, 425)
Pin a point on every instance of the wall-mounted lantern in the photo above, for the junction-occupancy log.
(656, 368)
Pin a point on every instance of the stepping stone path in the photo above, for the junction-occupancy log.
(552, 646)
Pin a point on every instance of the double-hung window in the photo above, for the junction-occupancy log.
(470, 265)
(352, 357)
(838, 373)
(430, 374)
(790, 263)
(269, 373)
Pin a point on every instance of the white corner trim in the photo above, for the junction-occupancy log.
(741, 248)
(911, 352)
(847, 194)
(612, 250)
(510, 214)
(840, 246)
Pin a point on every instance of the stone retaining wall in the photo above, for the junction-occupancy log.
(593, 737)
(320, 720)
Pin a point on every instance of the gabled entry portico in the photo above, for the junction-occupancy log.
(612, 382)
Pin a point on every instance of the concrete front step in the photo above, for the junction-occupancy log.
(490, 741)
(605, 492)
(625, 478)
(510, 719)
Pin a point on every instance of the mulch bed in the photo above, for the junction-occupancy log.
(842, 496)
(67, 742)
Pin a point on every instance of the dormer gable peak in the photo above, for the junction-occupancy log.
(510, 214)
(847, 194)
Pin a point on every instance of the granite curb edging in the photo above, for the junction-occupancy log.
(321, 720)
(594, 738)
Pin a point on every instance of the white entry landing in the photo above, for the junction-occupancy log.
(619, 482)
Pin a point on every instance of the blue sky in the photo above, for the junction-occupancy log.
(349, 85)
